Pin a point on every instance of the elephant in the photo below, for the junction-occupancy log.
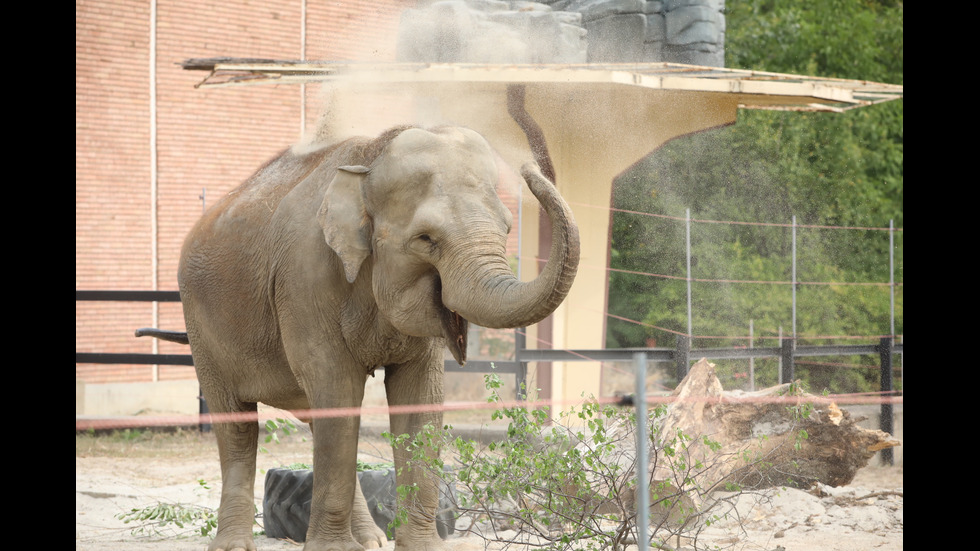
(332, 261)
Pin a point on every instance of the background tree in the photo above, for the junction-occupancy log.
(826, 169)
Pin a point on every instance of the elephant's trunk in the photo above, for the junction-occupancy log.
(495, 298)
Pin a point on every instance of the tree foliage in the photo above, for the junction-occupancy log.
(825, 169)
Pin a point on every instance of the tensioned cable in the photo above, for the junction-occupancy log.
(737, 223)
(308, 414)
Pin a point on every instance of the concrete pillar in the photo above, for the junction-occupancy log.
(594, 132)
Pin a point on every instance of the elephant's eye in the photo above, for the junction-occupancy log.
(424, 244)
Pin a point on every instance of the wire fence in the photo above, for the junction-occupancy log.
(710, 266)
(790, 350)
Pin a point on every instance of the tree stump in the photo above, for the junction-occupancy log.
(778, 436)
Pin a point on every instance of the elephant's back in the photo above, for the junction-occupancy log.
(252, 204)
(245, 212)
(225, 253)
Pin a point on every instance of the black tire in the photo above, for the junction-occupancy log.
(286, 504)
(289, 492)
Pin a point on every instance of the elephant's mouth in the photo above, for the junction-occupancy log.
(454, 328)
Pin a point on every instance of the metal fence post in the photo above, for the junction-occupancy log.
(202, 411)
(203, 407)
(796, 284)
(788, 348)
(690, 331)
(642, 460)
(887, 424)
(520, 341)
(751, 358)
(682, 356)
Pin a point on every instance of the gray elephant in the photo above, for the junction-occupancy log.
(329, 263)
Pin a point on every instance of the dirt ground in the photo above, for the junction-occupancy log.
(117, 473)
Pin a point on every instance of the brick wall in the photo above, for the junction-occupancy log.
(112, 171)
(202, 140)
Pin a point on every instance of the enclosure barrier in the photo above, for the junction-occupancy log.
(680, 356)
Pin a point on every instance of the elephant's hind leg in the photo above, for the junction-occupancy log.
(237, 443)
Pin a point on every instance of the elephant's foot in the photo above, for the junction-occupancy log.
(332, 545)
(426, 544)
(233, 541)
(369, 535)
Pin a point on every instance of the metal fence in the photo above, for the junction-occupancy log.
(788, 352)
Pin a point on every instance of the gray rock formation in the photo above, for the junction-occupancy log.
(678, 31)
(461, 31)
(565, 31)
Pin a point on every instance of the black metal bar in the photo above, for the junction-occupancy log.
(682, 357)
(523, 355)
(594, 355)
(520, 341)
(128, 296)
(483, 366)
(788, 350)
(887, 421)
(143, 359)
(203, 410)
(736, 353)
(666, 354)
(835, 350)
(531, 355)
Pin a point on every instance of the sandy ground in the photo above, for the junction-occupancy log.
(115, 474)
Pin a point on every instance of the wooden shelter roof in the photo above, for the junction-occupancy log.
(755, 89)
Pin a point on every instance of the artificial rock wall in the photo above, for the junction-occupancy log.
(565, 31)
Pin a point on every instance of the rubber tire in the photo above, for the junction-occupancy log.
(289, 493)
(286, 504)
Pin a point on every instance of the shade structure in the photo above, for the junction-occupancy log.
(594, 121)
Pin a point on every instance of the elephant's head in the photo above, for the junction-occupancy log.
(427, 212)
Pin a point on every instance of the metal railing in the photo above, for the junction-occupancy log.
(885, 349)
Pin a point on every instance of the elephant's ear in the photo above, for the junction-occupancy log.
(345, 223)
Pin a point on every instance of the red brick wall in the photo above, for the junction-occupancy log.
(112, 171)
(204, 139)
(138, 184)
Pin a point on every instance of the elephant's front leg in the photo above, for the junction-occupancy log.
(362, 524)
(416, 384)
(334, 472)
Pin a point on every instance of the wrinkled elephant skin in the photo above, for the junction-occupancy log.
(331, 262)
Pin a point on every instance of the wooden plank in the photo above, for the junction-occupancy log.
(760, 90)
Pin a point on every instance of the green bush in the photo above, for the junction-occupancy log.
(569, 482)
